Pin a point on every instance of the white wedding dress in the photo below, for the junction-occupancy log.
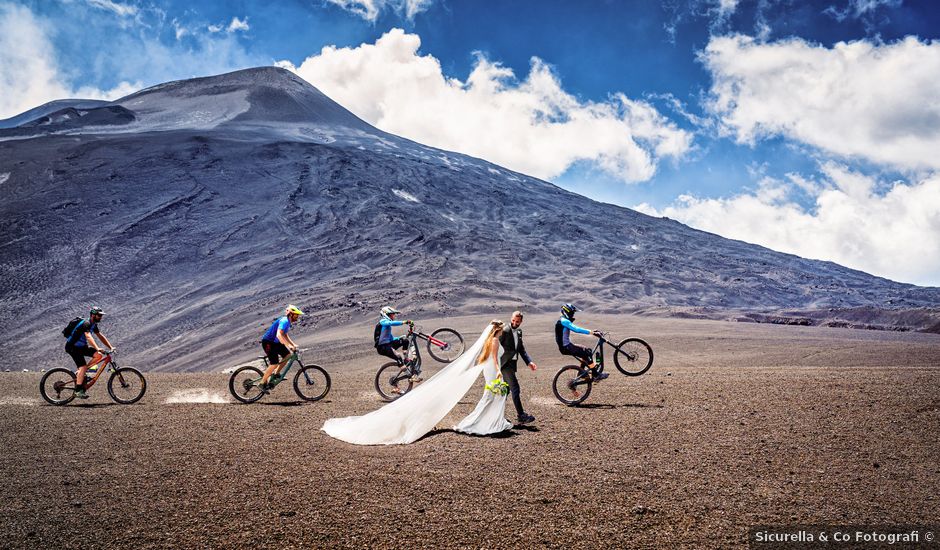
(489, 416)
(416, 413)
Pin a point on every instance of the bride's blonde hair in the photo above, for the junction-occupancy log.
(491, 345)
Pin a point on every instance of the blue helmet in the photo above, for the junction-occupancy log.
(568, 311)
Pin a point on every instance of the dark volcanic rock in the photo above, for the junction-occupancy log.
(227, 197)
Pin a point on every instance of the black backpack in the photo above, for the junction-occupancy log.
(559, 329)
(377, 333)
(69, 330)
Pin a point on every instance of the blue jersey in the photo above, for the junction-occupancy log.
(385, 336)
(563, 330)
(80, 330)
(282, 324)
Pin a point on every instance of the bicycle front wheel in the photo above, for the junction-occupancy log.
(448, 345)
(392, 381)
(572, 385)
(312, 383)
(245, 384)
(633, 356)
(57, 386)
(127, 385)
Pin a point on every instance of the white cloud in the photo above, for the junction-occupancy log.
(532, 126)
(895, 234)
(122, 10)
(878, 102)
(238, 25)
(860, 8)
(370, 9)
(727, 7)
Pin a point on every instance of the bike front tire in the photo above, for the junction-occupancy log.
(453, 345)
(312, 383)
(387, 379)
(633, 356)
(57, 386)
(565, 378)
(241, 385)
(127, 385)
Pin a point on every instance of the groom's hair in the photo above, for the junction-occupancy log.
(517, 312)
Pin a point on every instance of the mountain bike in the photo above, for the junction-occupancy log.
(394, 380)
(125, 386)
(311, 382)
(572, 383)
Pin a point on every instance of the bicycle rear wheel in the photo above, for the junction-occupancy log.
(572, 385)
(312, 383)
(451, 345)
(633, 356)
(57, 386)
(244, 384)
(127, 385)
(392, 382)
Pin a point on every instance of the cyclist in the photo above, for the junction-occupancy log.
(563, 329)
(277, 345)
(386, 343)
(81, 344)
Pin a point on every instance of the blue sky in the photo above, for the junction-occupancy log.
(803, 126)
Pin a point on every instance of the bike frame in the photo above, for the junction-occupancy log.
(431, 339)
(294, 358)
(103, 363)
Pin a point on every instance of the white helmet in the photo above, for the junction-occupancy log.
(388, 310)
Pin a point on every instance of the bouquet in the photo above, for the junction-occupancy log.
(498, 387)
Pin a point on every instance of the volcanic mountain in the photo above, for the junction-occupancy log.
(194, 210)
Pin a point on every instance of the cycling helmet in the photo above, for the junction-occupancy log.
(95, 310)
(291, 308)
(568, 310)
(388, 310)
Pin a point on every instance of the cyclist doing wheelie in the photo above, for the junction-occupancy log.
(386, 343)
(563, 329)
(277, 345)
(81, 344)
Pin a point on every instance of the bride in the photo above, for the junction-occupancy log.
(413, 415)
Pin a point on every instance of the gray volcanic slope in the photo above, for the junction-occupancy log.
(195, 210)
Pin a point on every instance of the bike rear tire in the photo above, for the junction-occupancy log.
(633, 356)
(453, 342)
(57, 386)
(312, 383)
(564, 393)
(240, 388)
(383, 381)
(131, 385)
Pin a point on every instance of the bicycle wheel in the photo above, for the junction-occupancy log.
(312, 383)
(390, 378)
(127, 385)
(571, 385)
(245, 384)
(451, 347)
(633, 356)
(57, 386)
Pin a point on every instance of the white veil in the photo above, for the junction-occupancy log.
(414, 414)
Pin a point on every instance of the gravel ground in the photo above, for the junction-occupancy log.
(736, 425)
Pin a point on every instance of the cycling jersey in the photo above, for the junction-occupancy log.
(563, 329)
(80, 330)
(385, 336)
(282, 324)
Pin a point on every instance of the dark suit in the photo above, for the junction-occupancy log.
(508, 362)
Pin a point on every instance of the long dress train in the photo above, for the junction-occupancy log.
(414, 414)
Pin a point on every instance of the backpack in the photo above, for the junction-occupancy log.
(559, 329)
(69, 330)
(377, 333)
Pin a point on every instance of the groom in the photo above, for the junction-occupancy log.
(511, 341)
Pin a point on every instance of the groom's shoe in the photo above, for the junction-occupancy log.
(526, 418)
